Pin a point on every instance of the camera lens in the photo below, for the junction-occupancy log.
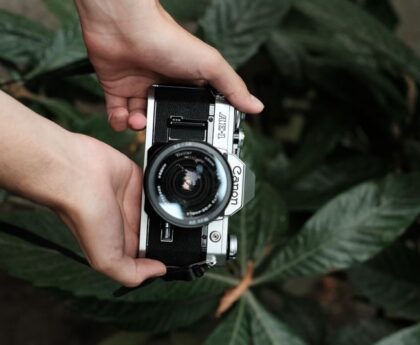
(191, 181)
(188, 184)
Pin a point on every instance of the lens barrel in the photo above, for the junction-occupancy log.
(188, 184)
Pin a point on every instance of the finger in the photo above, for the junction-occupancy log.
(121, 267)
(137, 113)
(222, 76)
(117, 112)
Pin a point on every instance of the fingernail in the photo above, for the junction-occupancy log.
(257, 102)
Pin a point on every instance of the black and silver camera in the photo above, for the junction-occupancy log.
(194, 180)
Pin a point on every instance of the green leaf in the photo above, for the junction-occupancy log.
(392, 280)
(328, 58)
(321, 135)
(88, 83)
(318, 187)
(303, 315)
(258, 150)
(350, 229)
(64, 11)
(233, 329)
(260, 225)
(98, 127)
(330, 61)
(408, 336)
(95, 126)
(160, 316)
(186, 10)
(50, 267)
(364, 332)
(48, 226)
(287, 54)
(383, 10)
(261, 221)
(239, 27)
(47, 268)
(79, 67)
(62, 112)
(67, 47)
(22, 39)
(361, 32)
(333, 54)
(267, 330)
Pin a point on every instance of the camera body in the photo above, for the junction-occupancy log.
(194, 180)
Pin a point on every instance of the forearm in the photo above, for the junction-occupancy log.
(33, 154)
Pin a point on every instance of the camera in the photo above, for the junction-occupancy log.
(193, 181)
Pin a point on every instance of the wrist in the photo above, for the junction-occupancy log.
(46, 173)
(36, 155)
(61, 173)
(108, 16)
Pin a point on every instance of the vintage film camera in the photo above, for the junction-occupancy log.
(194, 180)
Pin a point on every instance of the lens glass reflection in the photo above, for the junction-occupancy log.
(190, 183)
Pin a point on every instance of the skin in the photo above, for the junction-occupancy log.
(95, 189)
(91, 186)
(149, 47)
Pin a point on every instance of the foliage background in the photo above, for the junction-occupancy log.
(333, 231)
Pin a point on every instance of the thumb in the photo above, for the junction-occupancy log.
(117, 109)
(217, 71)
(131, 272)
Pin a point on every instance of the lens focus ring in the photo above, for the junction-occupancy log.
(188, 184)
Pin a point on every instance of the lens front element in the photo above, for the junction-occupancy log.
(188, 184)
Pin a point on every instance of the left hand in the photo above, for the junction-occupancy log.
(102, 209)
(94, 188)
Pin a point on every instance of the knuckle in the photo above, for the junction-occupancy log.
(212, 65)
(117, 113)
(118, 124)
(117, 118)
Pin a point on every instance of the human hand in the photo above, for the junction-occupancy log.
(103, 212)
(134, 44)
(94, 188)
